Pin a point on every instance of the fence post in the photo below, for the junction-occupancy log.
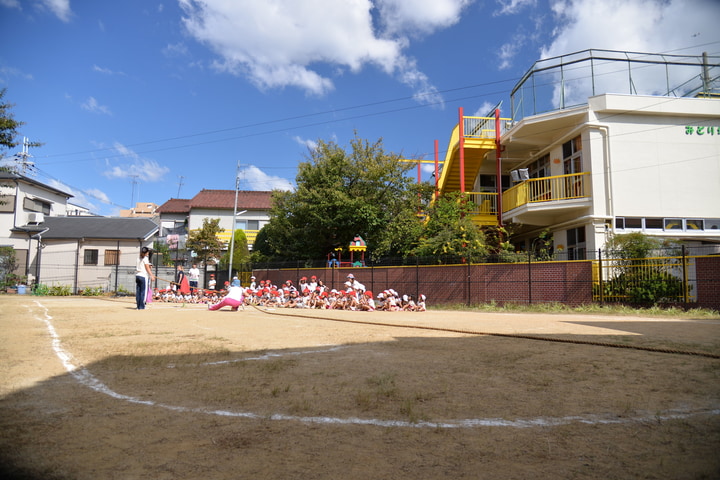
(417, 277)
(467, 284)
(685, 276)
(529, 277)
(600, 277)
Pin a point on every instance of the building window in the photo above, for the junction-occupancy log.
(695, 224)
(35, 205)
(654, 224)
(488, 183)
(540, 168)
(91, 257)
(572, 156)
(673, 224)
(7, 203)
(576, 245)
(247, 224)
(112, 257)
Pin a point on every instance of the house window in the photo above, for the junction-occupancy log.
(673, 224)
(540, 168)
(695, 224)
(576, 245)
(247, 224)
(91, 257)
(7, 203)
(489, 182)
(35, 205)
(112, 257)
(654, 224)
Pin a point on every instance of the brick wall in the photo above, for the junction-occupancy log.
(708, 282)
(563, 282)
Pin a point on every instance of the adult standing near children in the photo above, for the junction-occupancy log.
(143, 273)
(194, 277)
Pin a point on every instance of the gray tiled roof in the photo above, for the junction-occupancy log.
(115, 228)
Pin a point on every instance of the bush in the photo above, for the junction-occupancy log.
(60, 290)
(93, 292)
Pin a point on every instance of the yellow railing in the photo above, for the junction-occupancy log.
(546, 189)
(225, 236)
(486, 203)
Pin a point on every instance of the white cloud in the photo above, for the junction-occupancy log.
(652, 26)
(310, 144)
(84, 198)
(10, 4)
(175, 50)
(257, 180)
(655, 26)
(92, 105)
(106, 71)
(61, 8)
(419, 16)
(510, 7)
(276, 43)
(144, 170)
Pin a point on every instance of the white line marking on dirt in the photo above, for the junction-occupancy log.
(84, 377)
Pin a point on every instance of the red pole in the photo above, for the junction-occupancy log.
(437, 172)
(461, 132)
(498, 166)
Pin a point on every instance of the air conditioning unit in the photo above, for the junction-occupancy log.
(35, 218)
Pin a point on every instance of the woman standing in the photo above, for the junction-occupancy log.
(143, 273)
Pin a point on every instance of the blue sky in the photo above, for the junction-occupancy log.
(143, 101)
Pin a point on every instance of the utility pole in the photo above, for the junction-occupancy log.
(232, 230)
(180, 184)
(132, 196)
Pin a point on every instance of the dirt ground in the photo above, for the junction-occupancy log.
(94, 389)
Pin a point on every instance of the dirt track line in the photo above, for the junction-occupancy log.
(86, 378)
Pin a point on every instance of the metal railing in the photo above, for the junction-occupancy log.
(486, 203)
(482, 127)
(546, 189)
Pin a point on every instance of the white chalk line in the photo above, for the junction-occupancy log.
(85, 378)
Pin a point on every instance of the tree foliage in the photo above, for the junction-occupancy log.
(205, 242)
(341, 194)
(9, 126)
(451, 231)
(241, 254)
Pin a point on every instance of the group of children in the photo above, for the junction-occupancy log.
(312, 293)
(315, 294)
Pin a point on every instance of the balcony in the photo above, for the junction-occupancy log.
(533, 201)
(486, 211)
(226, 235)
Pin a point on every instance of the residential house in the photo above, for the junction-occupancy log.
(26, 201)
(75, 251)
(82, 252)
(180, 216)
(598, 143)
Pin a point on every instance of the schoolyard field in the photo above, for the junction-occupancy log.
(91, 388)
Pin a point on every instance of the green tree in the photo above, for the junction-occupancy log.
(163, 252)
(8, 263)
(451, 231)
(9, 126)
(639, 278)
(241, 254)
(205, 242)
(364, 191)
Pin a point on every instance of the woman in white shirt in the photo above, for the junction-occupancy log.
(143, 273)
